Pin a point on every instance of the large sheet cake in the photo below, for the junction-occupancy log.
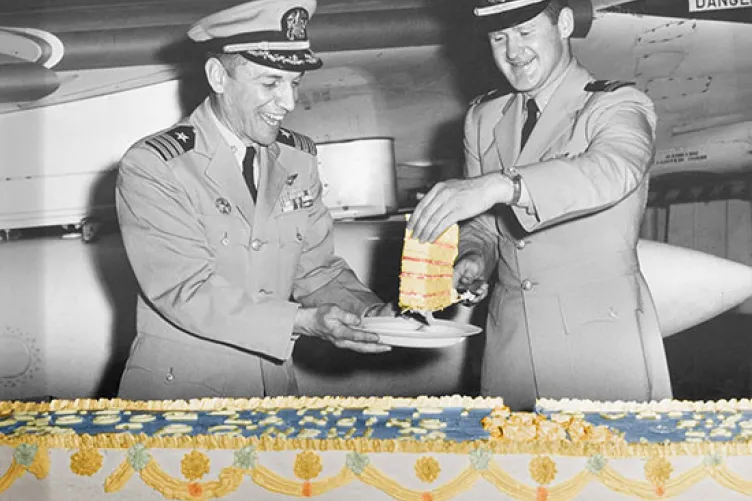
(423, 449)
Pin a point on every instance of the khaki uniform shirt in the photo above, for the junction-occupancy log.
(570, 314)
(221, 277)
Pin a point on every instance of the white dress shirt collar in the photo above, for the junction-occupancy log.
(544, 96)
(236, 145)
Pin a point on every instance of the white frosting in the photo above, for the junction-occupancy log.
(571, 405)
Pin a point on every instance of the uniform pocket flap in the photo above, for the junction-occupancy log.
(292, 227)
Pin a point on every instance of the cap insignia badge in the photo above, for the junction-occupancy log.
(223, 206)
(294, 23)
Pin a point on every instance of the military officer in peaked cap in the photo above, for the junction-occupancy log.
(224, 225)
(555, 186)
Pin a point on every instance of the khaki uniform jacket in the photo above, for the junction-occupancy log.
(570, 314)
(222, 278)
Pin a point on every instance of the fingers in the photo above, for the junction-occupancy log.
(344, 316)
(433, 220)
(356, 335)
(470, 283)
(433, 215)
(362, 347)
(424, 202)
(438, 225)
(467, 271)
(472, 297)
(360, 341)
(333, 317)
(469, 280)
(343, 330)
(340, 327)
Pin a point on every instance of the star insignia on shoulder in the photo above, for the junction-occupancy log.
(172, 143)
(299, 141)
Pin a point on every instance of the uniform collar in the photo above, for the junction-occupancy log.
(237, 147)
(544, 97)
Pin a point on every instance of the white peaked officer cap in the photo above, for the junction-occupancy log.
(495, 15)
(268, 32)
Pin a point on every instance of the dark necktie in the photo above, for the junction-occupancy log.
(250, 152)
(530, 121)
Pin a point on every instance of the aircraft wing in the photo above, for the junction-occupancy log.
(605, 4)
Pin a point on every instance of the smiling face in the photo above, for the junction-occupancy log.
(533, 54)
(251, 99)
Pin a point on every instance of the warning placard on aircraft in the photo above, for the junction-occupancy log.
(708, 5)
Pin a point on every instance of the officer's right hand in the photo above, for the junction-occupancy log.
(469, 276)
(332, 323)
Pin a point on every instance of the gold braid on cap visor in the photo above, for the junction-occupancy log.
(295, 59)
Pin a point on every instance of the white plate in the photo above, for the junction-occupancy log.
(412, 334)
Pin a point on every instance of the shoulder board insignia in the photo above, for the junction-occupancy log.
(606, 85)
(492, 94)
(173, 143)
(291, 138)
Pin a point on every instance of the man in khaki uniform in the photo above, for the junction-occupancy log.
(555, 189)
(225, 228)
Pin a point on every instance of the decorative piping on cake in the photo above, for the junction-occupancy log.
(215, 404)
(582, 406)
(542, 469)
(308, 465)
(364, 445)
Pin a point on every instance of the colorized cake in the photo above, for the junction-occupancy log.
(427, 271)
(421, 449)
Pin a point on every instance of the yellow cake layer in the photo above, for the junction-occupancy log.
(425, 286)
(427, 268)
(433, 252)
(450, 236)
(432, 303)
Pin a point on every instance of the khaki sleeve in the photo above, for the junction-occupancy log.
(477, 235)
(621, 134)
(321, 276)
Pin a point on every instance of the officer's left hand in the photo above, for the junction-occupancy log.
(470, 278)
(338, 326)
(455, 200)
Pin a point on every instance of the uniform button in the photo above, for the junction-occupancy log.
(169, 377)
(256, 244)
(520, 244)
(527, 285)
(299, 236)
(225, 240)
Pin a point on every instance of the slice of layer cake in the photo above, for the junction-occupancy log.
(426, 272)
